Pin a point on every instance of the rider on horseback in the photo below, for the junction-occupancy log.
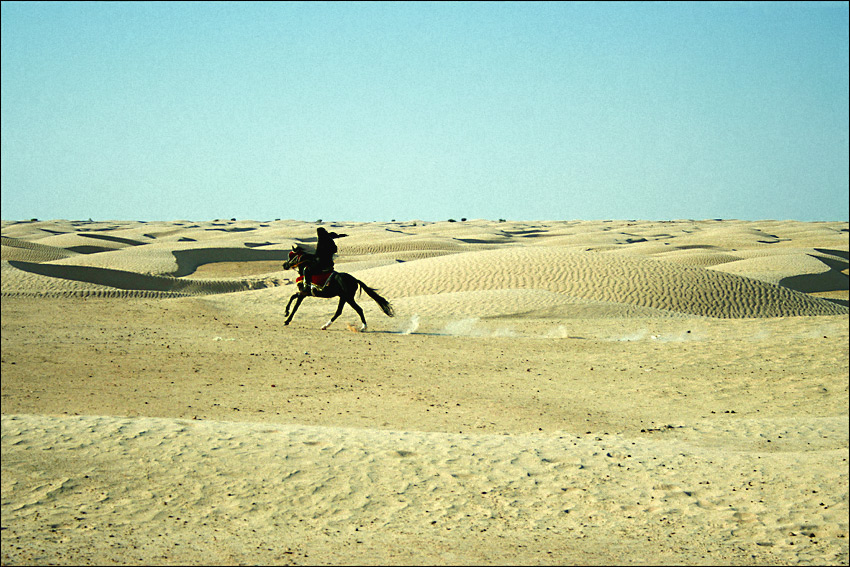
(323, 260)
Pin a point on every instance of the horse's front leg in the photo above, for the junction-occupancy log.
(298, 299)
(291, 299)
(338, 311)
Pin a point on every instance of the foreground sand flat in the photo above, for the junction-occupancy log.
(548, 392)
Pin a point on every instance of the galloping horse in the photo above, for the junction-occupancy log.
(338, 284)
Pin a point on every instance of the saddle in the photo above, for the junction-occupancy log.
(316, 280)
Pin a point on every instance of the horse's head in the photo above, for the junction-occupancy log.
(297, 256)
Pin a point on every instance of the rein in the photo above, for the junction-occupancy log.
(295, 261)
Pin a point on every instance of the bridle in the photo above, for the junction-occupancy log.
(296, 258)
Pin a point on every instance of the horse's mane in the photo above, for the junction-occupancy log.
(301, 250)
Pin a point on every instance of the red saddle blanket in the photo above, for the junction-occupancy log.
(318, 280)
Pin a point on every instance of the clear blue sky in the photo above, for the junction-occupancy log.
(431, 111)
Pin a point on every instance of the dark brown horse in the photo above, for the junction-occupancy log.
(338, 284)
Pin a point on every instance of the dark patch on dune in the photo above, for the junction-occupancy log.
(696, 247)
(115, 239)
(102, 276)
(481, 240)
(840, 253)
(89, 249)
(121, 279)
(831, 280)
(235, 229)
(189, 260)
(529, 233)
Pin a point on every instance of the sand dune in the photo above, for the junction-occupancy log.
(17, 249)
(643, 282)
(555, 392)
(407, 264)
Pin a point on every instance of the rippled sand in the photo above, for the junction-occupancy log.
(548, 392)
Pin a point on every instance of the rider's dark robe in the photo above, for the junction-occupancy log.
(326, 248)
(324, 257)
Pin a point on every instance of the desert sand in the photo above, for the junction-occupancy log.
(548, 392)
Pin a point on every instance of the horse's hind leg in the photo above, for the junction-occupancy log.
(338, 311)
(359, 312)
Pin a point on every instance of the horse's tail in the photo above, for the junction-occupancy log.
(385, 305)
